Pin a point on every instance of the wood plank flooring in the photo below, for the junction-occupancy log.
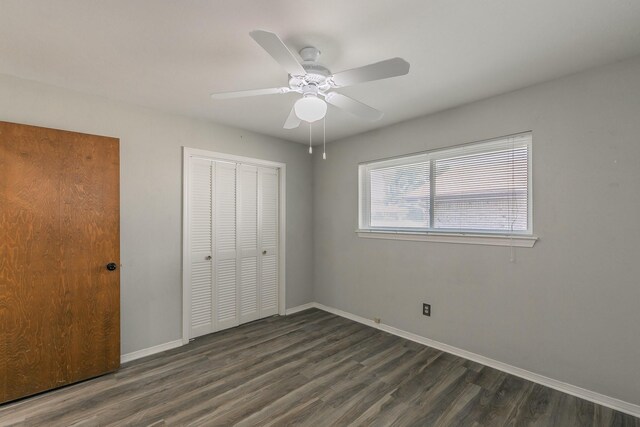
(311, 368)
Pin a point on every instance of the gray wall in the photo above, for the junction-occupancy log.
(567, 308)
(151, 196)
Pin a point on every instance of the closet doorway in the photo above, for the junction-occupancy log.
(233, 241)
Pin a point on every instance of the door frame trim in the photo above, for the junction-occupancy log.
(186, 255)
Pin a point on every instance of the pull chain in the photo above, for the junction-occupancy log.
(310, 149)
(324, 138)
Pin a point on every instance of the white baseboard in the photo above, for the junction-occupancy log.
(591, 396)
(298, 308)
(149, 351)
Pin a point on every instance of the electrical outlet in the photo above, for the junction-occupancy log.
(426, 309)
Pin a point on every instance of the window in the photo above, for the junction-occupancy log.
(478, 188)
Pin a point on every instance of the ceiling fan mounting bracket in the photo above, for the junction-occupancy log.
(309, 54)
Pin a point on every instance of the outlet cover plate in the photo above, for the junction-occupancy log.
(426, 309)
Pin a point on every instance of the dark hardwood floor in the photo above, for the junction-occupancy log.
(311, 368)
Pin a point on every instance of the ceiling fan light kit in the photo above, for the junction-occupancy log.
(310, 108)
(317, 84)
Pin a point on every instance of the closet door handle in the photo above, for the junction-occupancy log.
(208, 257)
(264, 252)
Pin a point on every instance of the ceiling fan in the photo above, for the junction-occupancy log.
(316, 83)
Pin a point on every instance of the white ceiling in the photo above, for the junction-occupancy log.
(171, 54)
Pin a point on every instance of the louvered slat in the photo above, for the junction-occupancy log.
(249, 287)
(226, 290)
(248, 179)
(269, 291)
(200, 206)
(200, 212)
(270, 209)
(248, 242)
(269, 238)
(225, 206)
(226, 313)
(201, 294)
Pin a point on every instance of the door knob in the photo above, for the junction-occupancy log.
(208, 257)
(112, 266)
(264, 252)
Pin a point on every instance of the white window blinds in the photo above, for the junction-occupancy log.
(481, 188)
(400, 196)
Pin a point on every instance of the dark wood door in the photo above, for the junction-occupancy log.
(59, 228)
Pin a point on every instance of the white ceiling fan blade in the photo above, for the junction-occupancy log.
(252, 92)
(354, 107)
(380, 70)
(292, 121)
(279, 51)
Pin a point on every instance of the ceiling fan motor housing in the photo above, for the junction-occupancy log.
(316, 74)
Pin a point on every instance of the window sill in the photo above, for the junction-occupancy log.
(469, 239)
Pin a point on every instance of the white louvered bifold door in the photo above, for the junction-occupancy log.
(248, 243)
(233, 244)
(268, 189)
(225, 244)
(200, 248)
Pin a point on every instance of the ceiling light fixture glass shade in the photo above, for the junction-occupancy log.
(310, 108)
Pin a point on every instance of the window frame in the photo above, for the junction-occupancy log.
(493, 237)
